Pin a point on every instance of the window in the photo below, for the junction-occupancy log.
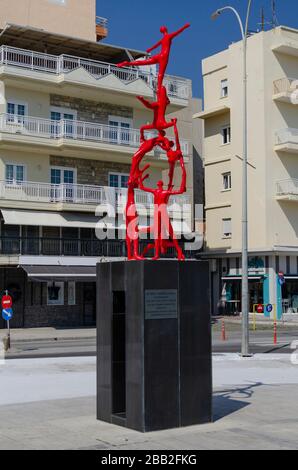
(14, 174)
(224, 88)
(55, 293)
(120, 131)
(118, 180)
(72, 293)
(226, 135)
(227, 181)
(63, 175)
(227, 228)
(16, 111)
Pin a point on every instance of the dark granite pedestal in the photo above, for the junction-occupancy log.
(153, 344)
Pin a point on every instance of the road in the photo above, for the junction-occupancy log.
(261, 341)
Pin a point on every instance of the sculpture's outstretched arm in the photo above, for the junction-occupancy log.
(178, 145)
(146, 103)
(183, 181)
(179, 31)
(144, 188)
(159, 43)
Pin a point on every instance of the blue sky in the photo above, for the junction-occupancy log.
(136, 23)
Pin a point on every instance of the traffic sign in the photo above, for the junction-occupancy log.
(260, 308)
(6, 301)
(7, 314)
(281, 278)
(269, 308)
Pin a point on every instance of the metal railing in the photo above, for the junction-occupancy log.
(75, 130)
(285, 85)
(287, 187)
(286, 136)
(83, 194)
(68, 129)
(100, 21)
(10, 56)
(70, 247)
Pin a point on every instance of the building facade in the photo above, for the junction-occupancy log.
(272, 171)
(69, 121)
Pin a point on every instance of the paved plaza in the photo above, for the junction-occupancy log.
(50, 404)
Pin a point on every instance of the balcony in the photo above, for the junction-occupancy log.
(80, 197)
(286, 46)
(284, 90)
(60, 70)
(286, 140)
(60, 134)
(101, 28)
(287, 190)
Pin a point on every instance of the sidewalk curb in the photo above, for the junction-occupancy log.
(62, 338)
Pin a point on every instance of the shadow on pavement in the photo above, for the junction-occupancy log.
(226, 402)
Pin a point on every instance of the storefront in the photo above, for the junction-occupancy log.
(231, 293)
(273, 279)
(289, 294)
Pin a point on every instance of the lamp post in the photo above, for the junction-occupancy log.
(244, 293)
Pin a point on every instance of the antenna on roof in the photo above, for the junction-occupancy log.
(275, 22)
(262, 19)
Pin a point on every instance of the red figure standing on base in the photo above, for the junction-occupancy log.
(162, 229)
(164, 236)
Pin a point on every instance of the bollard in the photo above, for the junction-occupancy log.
(6, 343)
(223, 330)
(275, 332)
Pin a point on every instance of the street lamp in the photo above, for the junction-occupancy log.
(244, 294)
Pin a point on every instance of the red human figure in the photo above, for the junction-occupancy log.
(159, 109)
(173, 155)
(162, 223)
(162, 59)
(132, 230)
(146, 147)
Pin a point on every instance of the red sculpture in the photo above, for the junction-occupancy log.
(162, 229)
(159, 109)
(162, 59)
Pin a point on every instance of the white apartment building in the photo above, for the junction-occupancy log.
(272, 170)
(69, 121)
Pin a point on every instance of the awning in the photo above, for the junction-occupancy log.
(50, 219)
(61, 273)
(39, 40)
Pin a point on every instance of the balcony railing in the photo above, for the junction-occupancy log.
(74, 130)
(101, 25)
(286, 136)
(177, 87)
(287, 187)
(100, 21)
(79, 194)
(16, 246)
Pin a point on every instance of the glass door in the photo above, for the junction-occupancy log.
(63, 181)
(119, 131)
(16, 113)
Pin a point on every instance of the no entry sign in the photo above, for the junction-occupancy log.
(260, 308)
(6, 301)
